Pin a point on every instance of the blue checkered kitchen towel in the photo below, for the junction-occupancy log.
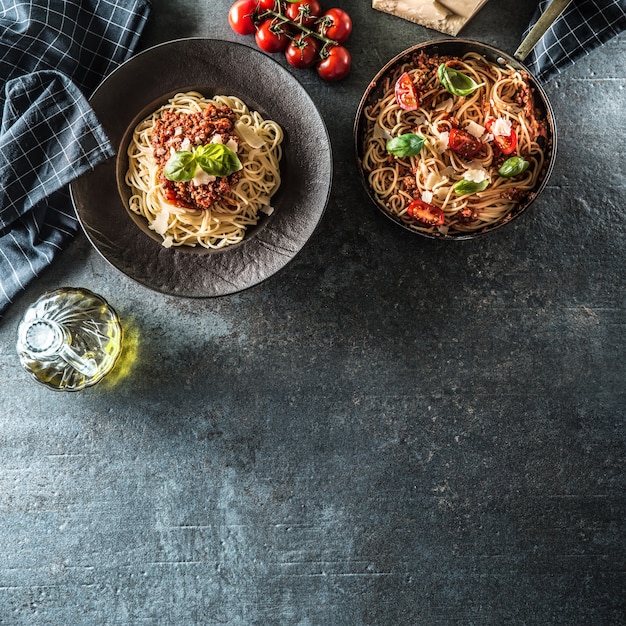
(53, 53)
(583, 26)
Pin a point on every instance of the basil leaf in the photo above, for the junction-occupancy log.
(442, 75)
(181, 166)
(406, 145)
(217, 160)
(469, 186)
(456, 82)
(513, 167)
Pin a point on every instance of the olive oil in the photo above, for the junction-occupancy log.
(69, 339)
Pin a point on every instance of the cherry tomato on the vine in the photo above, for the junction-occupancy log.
(335, 24)
(268, 5)
(405, 92)
(463, 144)
(302, 51)
(308, 35)
(425, 213)
(270, 36)
(335, 65)
(305, 12)
(240, 16)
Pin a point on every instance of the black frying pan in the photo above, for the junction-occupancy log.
(457, 47)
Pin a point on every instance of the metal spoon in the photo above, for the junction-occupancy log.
(541, 26)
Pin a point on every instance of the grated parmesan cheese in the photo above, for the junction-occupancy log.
(249, 135)
(431, 180)
(159, 225)
(475, 129)
(381, 133)
(201, 177)
(231, 144)
(442, 139)
(446, 105)
(476, 173)
(502, 127)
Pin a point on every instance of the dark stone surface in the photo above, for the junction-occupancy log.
(391, 430)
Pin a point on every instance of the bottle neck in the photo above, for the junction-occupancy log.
(45, 338)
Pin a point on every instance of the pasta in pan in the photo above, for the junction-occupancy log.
(475, 156)
(206, 207)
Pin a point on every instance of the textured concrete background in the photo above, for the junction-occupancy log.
(389, 431)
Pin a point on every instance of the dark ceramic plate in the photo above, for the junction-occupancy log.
(212, 67)
(455, 47)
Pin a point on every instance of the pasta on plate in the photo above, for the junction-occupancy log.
(186, 201)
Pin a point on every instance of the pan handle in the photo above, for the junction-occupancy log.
(541, 26)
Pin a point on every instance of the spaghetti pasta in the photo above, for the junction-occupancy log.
(462, 184)
(208, 211)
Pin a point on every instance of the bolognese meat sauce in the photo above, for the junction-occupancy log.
(179, 131)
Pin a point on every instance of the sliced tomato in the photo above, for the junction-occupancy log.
(463, 144)
(506, 143)
(406, 94)
(425, 213)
